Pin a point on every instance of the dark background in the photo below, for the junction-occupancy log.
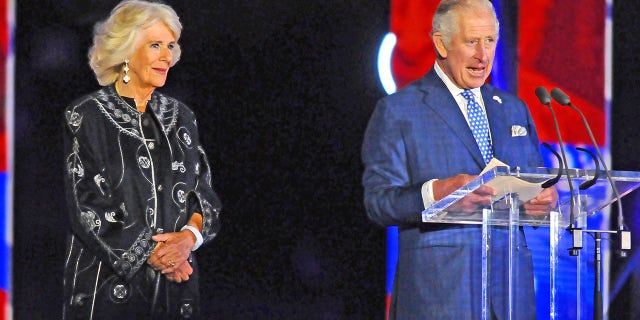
(283, 91)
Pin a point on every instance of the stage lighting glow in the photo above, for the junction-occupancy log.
(384, 62)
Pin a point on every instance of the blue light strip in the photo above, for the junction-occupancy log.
(5, 231)
(505, 63)
(392, 256)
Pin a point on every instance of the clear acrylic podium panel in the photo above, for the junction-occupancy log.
(564, 284)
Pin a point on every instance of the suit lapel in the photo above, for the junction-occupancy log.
(498, 122)
(438, 98)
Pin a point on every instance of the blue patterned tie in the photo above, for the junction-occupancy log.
(479, 125)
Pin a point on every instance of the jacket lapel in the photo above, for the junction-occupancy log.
(438, 98)
(498, 122)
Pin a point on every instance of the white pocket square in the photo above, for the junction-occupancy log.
(518, 131)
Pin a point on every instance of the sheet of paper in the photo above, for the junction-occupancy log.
(510, 184)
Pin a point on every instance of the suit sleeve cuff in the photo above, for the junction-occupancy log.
(427, 193)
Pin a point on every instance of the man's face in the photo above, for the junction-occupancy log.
(468, 59)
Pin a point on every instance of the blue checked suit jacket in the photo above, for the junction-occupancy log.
(418, 134)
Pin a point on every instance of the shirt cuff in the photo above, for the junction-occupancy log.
(197, 234)
(427, 193)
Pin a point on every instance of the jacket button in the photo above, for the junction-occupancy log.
(120, 292)
(186, 310)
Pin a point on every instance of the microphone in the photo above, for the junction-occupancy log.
(625, 237)
(545, 99)
(543, 96)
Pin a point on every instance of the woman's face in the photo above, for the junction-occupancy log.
(150, 63)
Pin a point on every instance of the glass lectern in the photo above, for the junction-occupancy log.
(567, 229)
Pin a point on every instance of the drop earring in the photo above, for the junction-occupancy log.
(126, 77)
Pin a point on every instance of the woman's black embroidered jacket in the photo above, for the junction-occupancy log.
(128, 176)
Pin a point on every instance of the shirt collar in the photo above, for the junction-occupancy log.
(455, 91)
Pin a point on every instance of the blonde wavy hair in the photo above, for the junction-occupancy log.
(116, 38)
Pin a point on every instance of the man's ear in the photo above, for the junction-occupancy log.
(441, 50)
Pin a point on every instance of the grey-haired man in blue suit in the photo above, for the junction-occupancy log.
(419, 147)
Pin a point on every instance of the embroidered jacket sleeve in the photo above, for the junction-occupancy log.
(202, 198)
(98, 216)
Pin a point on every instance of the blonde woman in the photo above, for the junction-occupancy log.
(138, 183)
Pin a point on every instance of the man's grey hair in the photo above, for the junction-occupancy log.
(445, 20)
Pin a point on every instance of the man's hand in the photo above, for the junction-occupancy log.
(544, 202)
(479, 198)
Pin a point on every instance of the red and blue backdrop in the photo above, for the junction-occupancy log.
(6, 98)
